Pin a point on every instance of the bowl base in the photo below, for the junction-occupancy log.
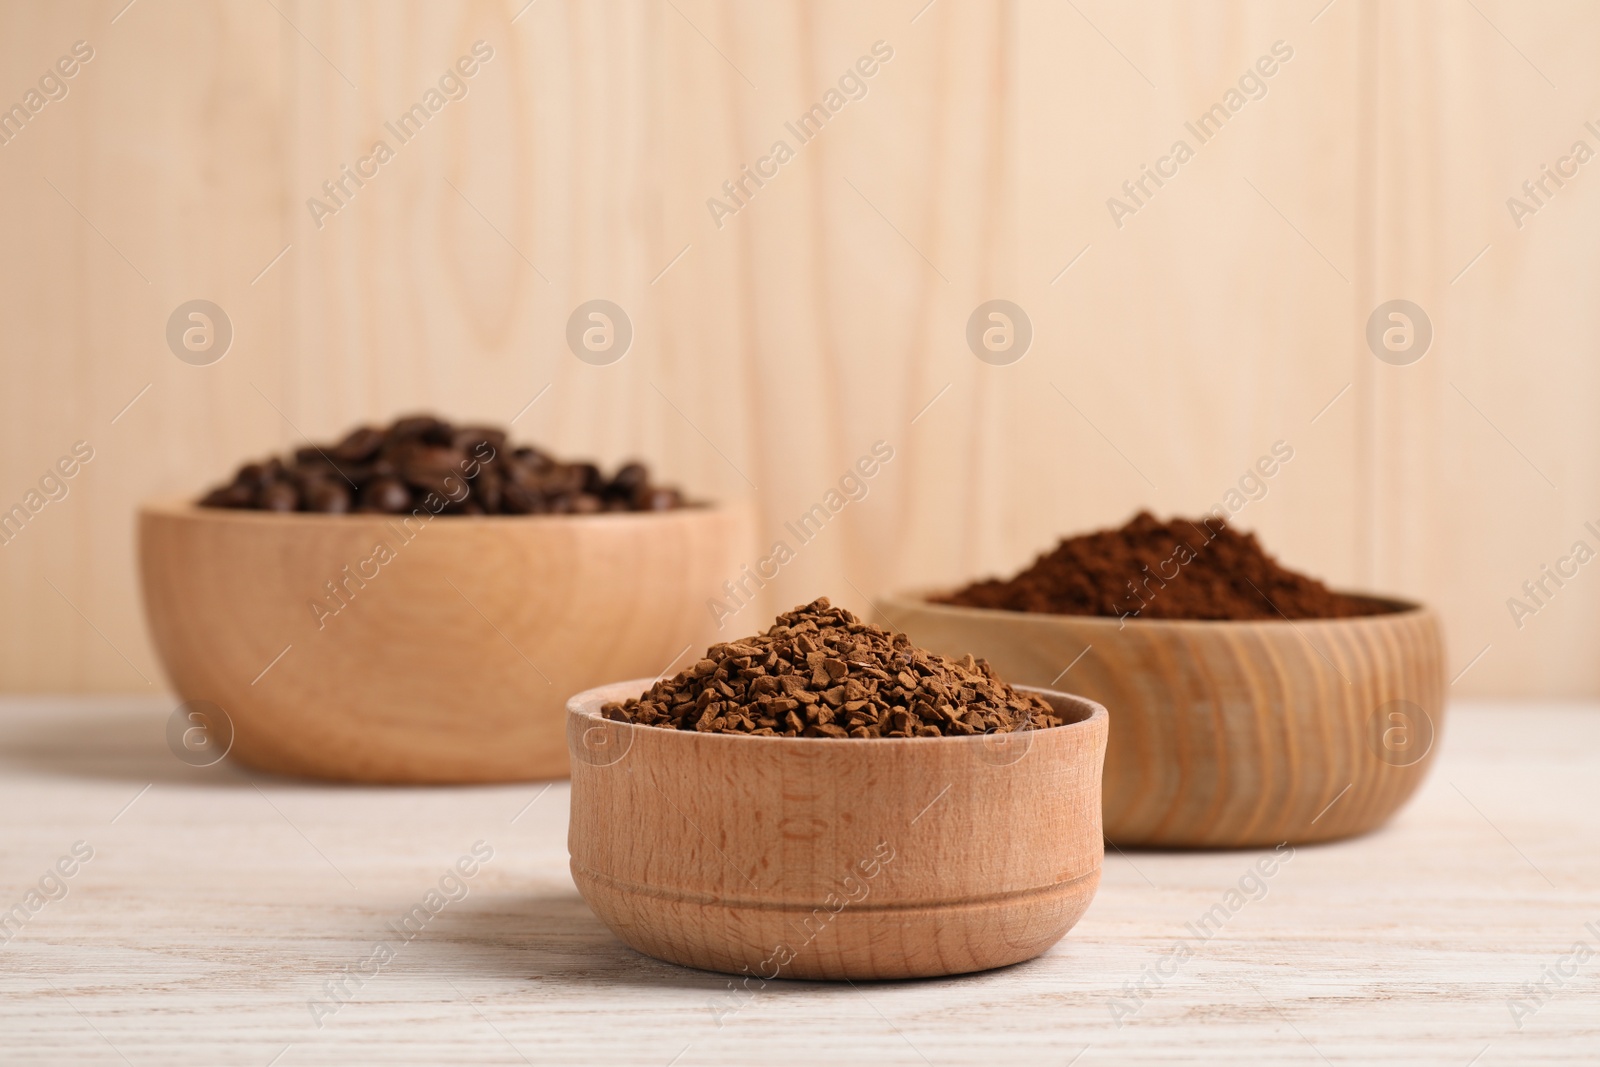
(859, 941)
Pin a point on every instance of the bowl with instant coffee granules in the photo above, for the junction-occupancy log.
(1252, 704)
(826, 800)
(414, 603)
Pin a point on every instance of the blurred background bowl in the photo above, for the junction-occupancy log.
(447, 658)
(1228, 734)
(836, 858)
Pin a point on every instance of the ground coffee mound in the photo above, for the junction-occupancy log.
(423, 461)
(1182, 569)
(821, 672)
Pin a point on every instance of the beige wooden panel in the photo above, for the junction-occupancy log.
(1484, 456)
(824, 315)
(152, 183)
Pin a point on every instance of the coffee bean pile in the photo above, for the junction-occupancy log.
(821, 672)
(425, 462)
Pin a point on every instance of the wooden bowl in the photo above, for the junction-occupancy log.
(1229, 734)
(835, 858)
(453, 648)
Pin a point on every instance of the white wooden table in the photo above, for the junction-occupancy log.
(219, 904)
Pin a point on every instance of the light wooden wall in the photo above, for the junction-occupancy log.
(826, 314)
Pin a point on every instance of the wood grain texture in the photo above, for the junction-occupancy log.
(361, 648)
(206, 921)
(1228, 734)
(770, 353)
(795, 858)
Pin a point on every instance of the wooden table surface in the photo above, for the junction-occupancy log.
(219, 906)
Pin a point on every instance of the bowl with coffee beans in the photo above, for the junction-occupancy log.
(415, 602)
(1251, 704)
(827, 800)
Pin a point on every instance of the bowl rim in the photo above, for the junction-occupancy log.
(1400, 609)
(186, 507)
(1097, 718)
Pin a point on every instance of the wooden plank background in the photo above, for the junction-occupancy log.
(1225, 314)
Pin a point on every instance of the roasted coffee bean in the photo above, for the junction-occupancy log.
(229, 496)
(387, 494)
(486, 488)
(411, 426)
(424, 461)
(332, 498)
(520, 474)
(430, 467)
(468, 438)
(659, 500)
(359, 446)
(532, 457)
(822, 672)
(278, 496)
(352, 475)
(590, 480)
(562, 480)
(629, 479)
(519, 499)
(441, 434)
(251, 474)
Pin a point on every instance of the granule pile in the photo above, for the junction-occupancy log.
(1182, 569)
(821, 672)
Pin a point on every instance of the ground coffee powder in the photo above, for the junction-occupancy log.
(821, 672)
(423, 461)
(1182, 569)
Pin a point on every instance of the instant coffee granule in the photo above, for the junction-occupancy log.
(1182, 569)
(821, 672)
(423, 461)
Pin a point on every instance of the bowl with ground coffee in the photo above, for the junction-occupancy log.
(414, 603)
(827, 800)
(1252, 704)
